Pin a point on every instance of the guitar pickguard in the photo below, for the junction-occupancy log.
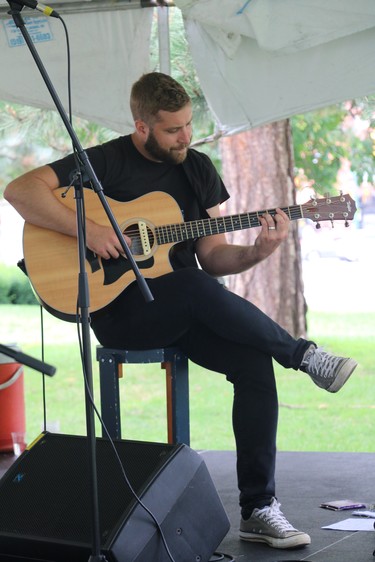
(115, 268)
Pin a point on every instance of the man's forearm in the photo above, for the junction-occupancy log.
(229, 259)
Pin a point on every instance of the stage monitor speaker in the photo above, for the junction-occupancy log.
(45, 503)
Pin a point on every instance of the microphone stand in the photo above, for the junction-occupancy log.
(83, 289)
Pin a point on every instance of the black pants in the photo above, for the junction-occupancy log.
(221, 332)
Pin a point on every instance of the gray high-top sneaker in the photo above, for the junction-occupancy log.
(326, 370)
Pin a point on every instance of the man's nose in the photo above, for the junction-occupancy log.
(184, 136)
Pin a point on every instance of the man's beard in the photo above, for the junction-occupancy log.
(171, 156)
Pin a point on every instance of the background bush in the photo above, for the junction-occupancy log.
(15, 287)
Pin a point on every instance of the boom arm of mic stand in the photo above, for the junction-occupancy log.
(29, 361)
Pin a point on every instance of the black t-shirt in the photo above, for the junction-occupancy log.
(125, 174)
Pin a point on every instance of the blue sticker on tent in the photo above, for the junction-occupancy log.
(38, 28)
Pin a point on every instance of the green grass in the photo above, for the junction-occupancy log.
(315, 420)
(310, 419)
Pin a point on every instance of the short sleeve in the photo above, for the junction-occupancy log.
(204, 179)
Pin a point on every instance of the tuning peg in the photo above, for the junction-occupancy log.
(328, 200)
(317, 226)
(332, 224)
(346, 224)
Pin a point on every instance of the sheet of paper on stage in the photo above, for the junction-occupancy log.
(352, 524)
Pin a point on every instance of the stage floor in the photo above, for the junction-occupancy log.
(304, 481)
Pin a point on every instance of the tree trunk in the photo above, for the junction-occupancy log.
(258, 172)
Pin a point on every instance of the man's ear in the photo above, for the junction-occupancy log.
(142, 128)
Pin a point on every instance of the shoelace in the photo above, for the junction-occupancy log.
(322, 363)
(272, 515)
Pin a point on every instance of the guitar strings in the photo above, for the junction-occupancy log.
(215, 225)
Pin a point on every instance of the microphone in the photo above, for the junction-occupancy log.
(46, 10)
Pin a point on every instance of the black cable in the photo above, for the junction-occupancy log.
(136, 497)
(133, 492)
(220, 556)
(92, 402)
(44, 397)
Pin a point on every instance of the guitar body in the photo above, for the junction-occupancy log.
(52, 263)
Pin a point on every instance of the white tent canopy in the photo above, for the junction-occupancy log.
(257, 60)
(109, 51)
(263, 60)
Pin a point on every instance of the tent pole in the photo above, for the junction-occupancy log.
(163, 37)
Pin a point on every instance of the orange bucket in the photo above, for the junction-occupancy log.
(12, 400)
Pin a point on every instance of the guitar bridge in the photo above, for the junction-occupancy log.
(145, 241)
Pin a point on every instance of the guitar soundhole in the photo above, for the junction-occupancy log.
(142, 238)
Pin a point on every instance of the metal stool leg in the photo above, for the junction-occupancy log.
(110, 394)
(177, 383)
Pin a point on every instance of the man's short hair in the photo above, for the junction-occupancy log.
(154, 92)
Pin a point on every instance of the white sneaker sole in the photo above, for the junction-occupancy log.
(296, 541)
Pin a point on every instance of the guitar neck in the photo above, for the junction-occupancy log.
(180, 232)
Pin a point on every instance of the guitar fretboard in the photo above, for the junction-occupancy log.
(180, 232)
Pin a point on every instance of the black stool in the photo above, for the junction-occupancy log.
(175, 364)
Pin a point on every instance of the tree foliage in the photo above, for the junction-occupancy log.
(30, 137)
(324, 138)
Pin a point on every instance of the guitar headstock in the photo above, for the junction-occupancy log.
(342, 207)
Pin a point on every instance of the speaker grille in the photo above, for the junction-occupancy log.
(55, 472)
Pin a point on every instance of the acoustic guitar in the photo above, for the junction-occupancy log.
(154, 224)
